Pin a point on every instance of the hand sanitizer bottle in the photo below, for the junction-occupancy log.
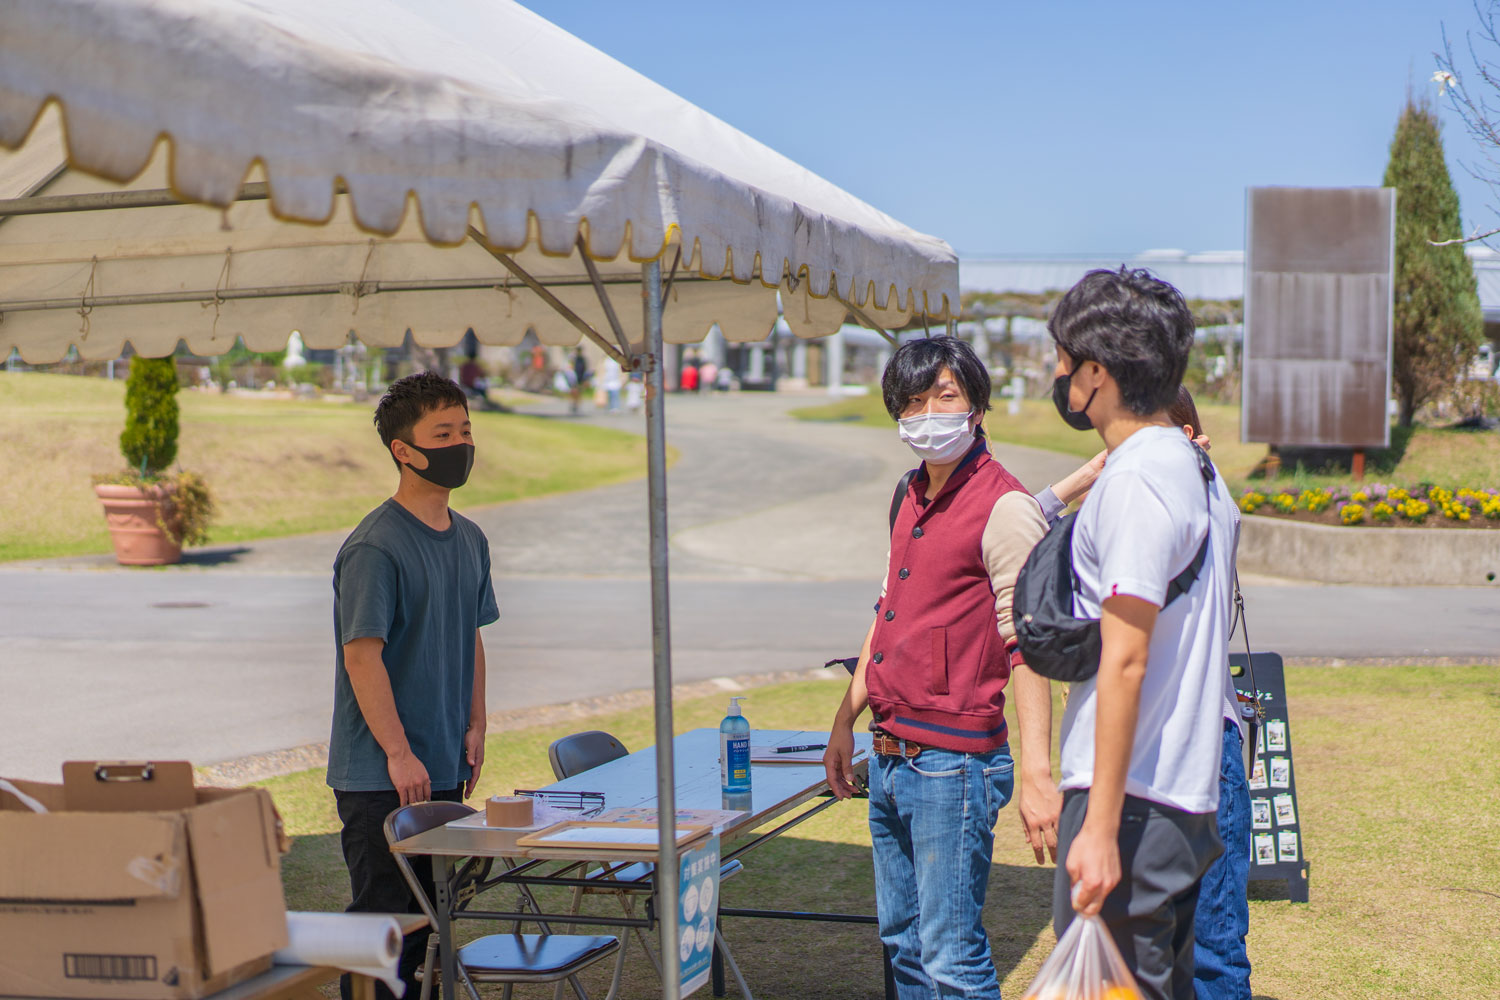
(734, 751)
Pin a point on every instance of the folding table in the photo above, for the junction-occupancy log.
(777, 792)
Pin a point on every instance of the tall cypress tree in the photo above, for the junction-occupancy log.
(1438, 323)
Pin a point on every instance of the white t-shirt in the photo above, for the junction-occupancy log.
(1140, 526)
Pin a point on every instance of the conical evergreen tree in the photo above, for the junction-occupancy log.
(1438, 323)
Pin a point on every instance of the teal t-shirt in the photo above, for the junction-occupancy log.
(424, 592)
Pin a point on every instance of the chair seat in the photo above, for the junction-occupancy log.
(640, 871)
(544, 956)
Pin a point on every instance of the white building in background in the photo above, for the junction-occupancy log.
(1215, 274)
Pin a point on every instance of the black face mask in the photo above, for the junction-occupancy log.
(447, 467)
(1076, 419)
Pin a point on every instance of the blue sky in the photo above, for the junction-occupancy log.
(1054, 126)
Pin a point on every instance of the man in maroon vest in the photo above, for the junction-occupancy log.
(933, 670)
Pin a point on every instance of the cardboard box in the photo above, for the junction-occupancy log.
(100, 899)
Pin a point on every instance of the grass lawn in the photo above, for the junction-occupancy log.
(1396, 776)
(276, 467)
(1440, 456)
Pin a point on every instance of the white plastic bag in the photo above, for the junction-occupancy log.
(1085, 965)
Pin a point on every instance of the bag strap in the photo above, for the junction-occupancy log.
(900, 494)
(1242, 623)
(1183, 582)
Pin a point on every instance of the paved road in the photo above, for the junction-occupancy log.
(778, 542)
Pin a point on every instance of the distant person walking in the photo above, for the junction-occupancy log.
(578, 384)
(688, 380)
(411, 589)
(612, 381)
(708, 374)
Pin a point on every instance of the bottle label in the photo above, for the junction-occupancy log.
(734, 760)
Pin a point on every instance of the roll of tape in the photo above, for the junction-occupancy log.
(508, 810)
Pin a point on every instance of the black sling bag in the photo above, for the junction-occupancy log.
(1054, 642)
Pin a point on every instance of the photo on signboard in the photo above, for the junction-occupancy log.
(1258, 774)
(1286, 813)
(1260, 814)
(1281, 772)
(1276, 734)
(1288, 843)
(1265, 849)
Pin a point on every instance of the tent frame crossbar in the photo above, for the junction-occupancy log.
(865, 320)
(604, 300)
(207, 296)
(546, 296)
(49, 204)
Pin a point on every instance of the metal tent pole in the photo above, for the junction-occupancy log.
(661, 638)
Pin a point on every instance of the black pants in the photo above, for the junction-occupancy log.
(1163, 855)
(375, 883)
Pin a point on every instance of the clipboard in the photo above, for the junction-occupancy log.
(584, 834)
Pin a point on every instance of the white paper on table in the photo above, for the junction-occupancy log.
(768, 755)
(365, 943)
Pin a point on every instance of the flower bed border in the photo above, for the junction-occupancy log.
(1411, 556)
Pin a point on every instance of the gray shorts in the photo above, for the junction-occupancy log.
(1163, 855)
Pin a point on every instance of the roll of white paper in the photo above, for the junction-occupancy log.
(364, 943)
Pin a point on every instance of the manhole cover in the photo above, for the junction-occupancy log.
(180, 604)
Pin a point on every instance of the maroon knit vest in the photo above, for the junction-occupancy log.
(938, 667)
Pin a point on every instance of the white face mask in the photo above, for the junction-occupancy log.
(937, 437)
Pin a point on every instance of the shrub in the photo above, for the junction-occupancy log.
(1351, 513)
(1284, 503)
(1382, 511)
(149, 440)
(1252, 501)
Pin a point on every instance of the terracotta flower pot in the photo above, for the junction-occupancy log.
(133, 514)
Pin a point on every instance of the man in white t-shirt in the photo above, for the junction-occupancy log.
(1141, 739)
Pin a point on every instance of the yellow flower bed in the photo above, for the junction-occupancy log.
(1379, 503)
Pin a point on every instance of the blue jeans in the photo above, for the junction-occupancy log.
(932, 826)
(1222, 967)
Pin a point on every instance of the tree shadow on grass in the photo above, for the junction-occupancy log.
(1340, 461)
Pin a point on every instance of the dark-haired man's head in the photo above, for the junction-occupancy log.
(1134, 326)
(418, 415)
(916, 365)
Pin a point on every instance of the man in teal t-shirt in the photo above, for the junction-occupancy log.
(411, 589)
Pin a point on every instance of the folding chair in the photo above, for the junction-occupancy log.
(579, 752)
(495, 958)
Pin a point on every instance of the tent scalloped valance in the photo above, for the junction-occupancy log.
(317, 102)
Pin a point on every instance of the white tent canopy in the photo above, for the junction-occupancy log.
(376, 173)
(517, 138)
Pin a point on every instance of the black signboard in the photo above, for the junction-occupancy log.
(1276, 848)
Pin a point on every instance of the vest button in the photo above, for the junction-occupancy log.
(878, 657)
(890, 616)
(916, 532)
(904, 574)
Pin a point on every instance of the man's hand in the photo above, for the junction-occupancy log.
(838, 761)
(409, 777)
(474, 751)
(1040, 807)
(1093, 868)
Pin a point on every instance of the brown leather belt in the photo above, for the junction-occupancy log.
(889, 746)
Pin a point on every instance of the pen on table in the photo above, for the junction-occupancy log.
(805, 747)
